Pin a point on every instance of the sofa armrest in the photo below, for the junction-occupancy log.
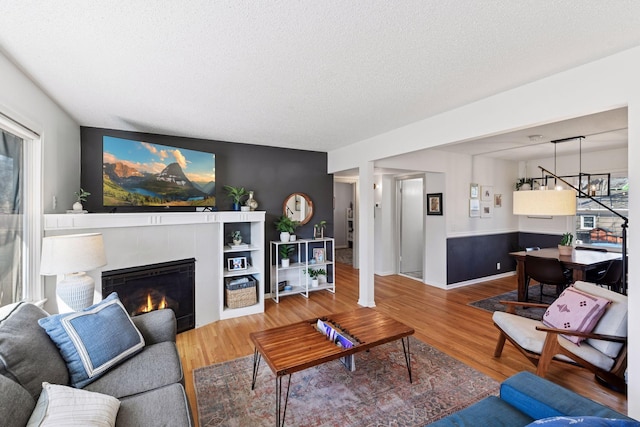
(157, 326)
(540, 398)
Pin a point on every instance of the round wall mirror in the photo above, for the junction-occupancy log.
(298, 207)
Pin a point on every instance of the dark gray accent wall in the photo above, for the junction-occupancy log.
(474, 257)
(272, 173)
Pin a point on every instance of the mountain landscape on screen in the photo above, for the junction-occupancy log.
(137, 173)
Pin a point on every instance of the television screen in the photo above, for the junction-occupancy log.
(137, 173)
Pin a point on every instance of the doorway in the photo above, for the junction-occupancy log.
(411, 227)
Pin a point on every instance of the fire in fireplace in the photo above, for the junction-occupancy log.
(155, 287)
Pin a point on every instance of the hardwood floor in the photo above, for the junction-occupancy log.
(440, 318)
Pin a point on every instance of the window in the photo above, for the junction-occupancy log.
(20, 212)
(595, 225)
(587, 222)
(12, 219)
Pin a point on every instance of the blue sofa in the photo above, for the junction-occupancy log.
(525, 398)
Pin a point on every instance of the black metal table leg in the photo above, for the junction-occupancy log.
(407, 357)
(279, 421)
(256, 364)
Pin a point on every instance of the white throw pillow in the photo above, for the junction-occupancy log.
(60, 405)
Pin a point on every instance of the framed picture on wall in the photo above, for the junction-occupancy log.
(474, 208)
(434, 204)
(487, 193)
(474, 191)
(497, 200)
(486, 210)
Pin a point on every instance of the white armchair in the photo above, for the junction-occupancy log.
(604, 352)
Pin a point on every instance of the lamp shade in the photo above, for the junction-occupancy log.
(544, 202)
(72, 254)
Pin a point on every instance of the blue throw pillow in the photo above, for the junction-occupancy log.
(561, 421)
(95, 339)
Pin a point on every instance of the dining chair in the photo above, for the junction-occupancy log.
(546, 271)
(612, 276)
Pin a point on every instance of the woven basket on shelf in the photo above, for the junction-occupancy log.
(241, 295)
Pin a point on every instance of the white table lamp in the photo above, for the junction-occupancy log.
(73, 255)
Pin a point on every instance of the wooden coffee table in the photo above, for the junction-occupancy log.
(292, 348)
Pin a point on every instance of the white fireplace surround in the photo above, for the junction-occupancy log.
(134, 239)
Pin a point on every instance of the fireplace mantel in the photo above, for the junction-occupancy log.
(134, 239)
(119, 220)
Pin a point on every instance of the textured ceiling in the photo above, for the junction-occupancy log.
(302, 74)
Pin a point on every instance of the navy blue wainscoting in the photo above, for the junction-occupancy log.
(474, 257)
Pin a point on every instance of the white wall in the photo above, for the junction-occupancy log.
(598, 86)
(23, 101)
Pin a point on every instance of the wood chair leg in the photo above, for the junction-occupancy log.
(499, 345)
(549, 350)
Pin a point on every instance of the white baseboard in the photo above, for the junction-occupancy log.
(481, 280)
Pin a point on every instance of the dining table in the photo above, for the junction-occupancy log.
(580, 261)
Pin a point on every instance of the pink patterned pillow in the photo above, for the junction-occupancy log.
(575, 311)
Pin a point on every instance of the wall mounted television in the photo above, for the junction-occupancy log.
(138, 174)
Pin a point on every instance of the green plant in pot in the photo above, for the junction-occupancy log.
(236, 194)
(318, 229)
(236, 237)
(322, 275)
(313, 274)
(565, 246)
(524, 184)
(81, 196)
(285, 254)
(286, 226)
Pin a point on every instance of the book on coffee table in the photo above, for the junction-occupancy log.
(337, 336)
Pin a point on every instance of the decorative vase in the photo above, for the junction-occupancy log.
(565, 250)
(237, 241)
(77, 206)
(236, 206)
(525, 187)
(292, 238)
(251, 202)
(314, 283)
(285, 236)
(285, 262)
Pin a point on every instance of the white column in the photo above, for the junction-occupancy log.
(366, 237)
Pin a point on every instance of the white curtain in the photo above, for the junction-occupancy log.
(11, 218)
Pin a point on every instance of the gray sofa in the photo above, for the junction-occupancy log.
(149, 385)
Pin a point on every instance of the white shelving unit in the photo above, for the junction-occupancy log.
(302, 260)
(251, 226)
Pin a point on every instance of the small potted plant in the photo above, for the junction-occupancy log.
(81, 196)
(236, 194)
(565, 246)
(313, 274)
(524, 184)
(318, 229)
(285, 254)
(286, 226)
(322, 275)
(236, 237)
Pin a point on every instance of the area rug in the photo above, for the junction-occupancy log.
(377, 393)
(493, 304)
(344, 256)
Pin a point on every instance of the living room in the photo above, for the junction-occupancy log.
(599, 85)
